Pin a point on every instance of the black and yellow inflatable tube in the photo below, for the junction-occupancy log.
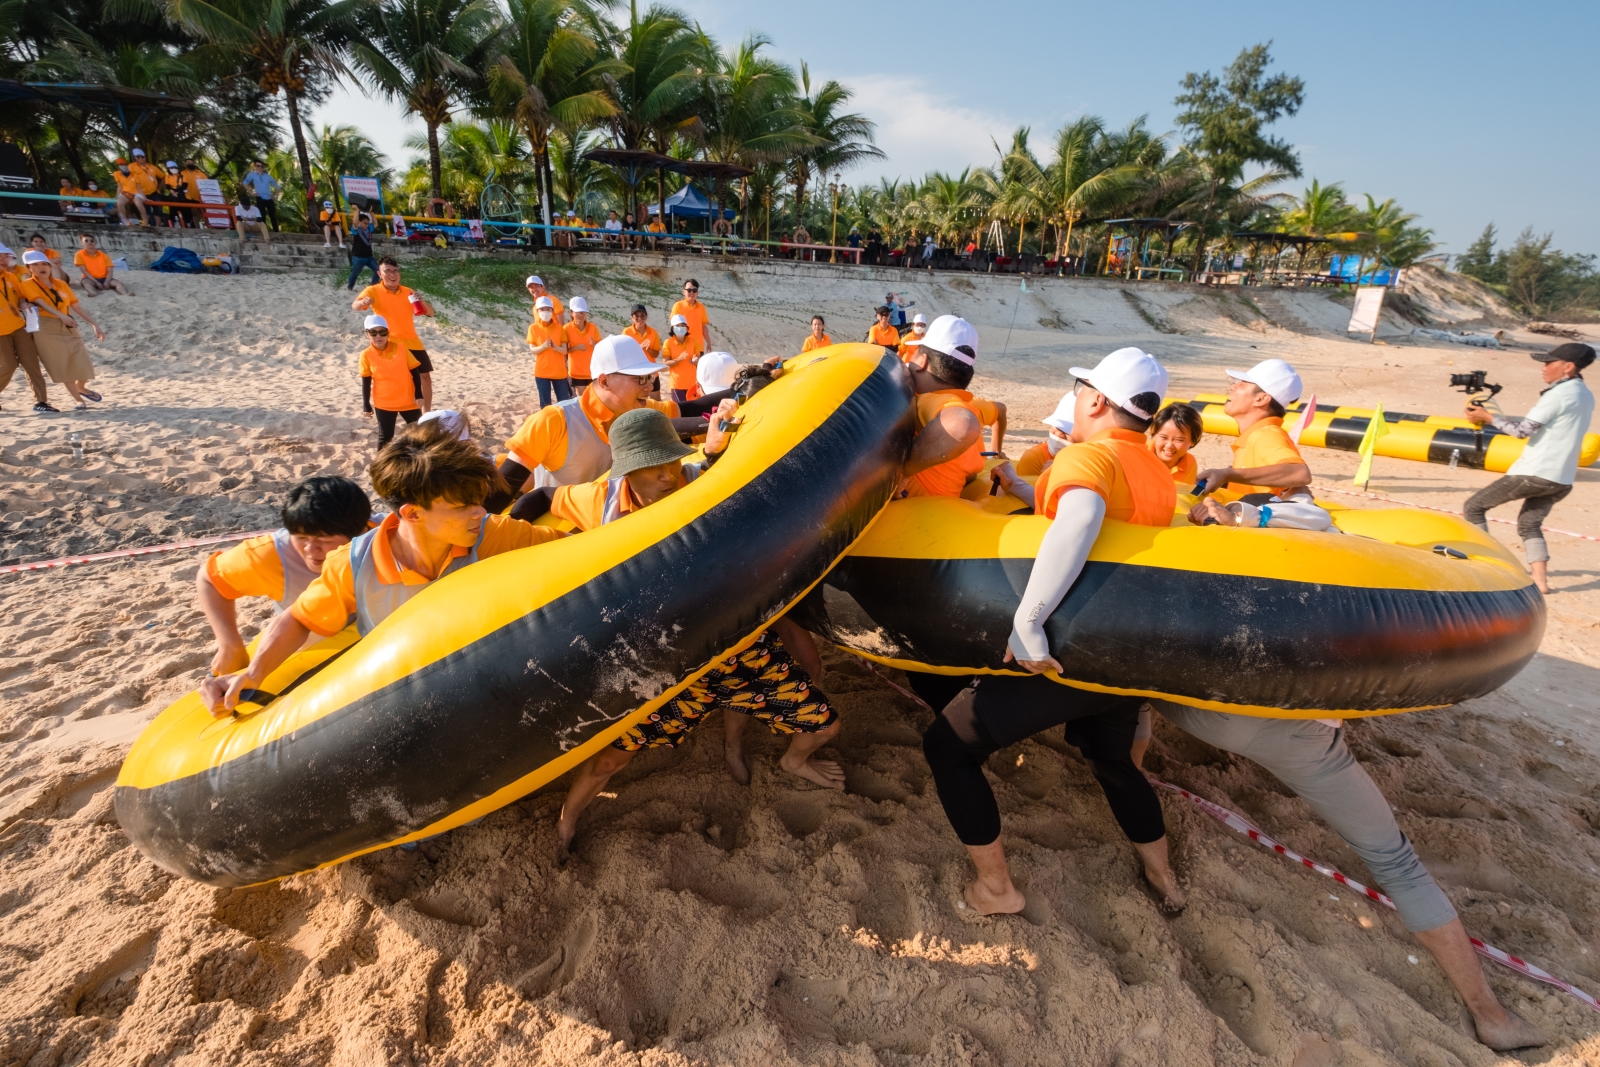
(1424, 438)
(501, 677)
(1408, 610)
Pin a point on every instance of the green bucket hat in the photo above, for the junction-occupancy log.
(643, 438)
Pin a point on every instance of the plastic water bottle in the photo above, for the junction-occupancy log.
(77, 447)
(416, 303)
(1455, 458)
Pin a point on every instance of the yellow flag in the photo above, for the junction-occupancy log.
(1376, 428)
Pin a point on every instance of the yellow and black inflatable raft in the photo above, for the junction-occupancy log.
(1424, 438)
(504, 675)
(1407, 610)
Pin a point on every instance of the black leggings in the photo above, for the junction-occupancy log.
(1002, 710)
(386, 422)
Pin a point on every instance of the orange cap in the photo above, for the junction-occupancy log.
(120, 161)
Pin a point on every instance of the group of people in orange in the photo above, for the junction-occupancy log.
(39, 316)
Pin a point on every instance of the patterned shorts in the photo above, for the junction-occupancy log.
(763, 681)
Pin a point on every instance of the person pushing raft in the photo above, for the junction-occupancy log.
(948, 450)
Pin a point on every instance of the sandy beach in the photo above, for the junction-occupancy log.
(707, 923)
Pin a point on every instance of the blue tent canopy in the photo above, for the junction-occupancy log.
(690, 203)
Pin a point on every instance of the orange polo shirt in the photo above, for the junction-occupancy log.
(886, 336)
(541, 440)
(329, 601)
(10, 303)
(58, 294)
(250, 568)
(951, 476)
(1184, 472)
(146, 177)
(695, 315)
(811, 343)
(584, 504)
(909, 346)
(1034, 460)
(580, 346)
(648, 340)
(191, 177)
(395, 307)
(684, 374)
(127, 184)
(1263, 445)
(1136, 486)
(96, 263)
(550, 362)
(390, 371)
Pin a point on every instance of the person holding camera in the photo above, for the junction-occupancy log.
(1543, 475)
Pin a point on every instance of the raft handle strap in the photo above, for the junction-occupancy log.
(1450, 552)
(256, 696)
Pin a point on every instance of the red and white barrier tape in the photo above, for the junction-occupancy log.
(1235, 821)
(1442, 511)
(124, 553)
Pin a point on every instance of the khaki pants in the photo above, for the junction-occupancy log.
(16, 348)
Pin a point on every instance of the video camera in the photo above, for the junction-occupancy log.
(1474, 383)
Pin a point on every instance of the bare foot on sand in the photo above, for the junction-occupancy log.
(566, 830)
(1510, 1033)
(985, 902)
(737, 766)
(826, 773)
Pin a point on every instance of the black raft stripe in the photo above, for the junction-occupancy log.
(403, 757)
(1239, 640)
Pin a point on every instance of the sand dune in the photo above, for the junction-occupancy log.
(703, 922)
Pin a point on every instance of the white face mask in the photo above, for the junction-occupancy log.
(1054, 444)
(919, 330)
(546, 314)
(681, 331)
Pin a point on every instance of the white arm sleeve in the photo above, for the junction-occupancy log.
(1285, 515)
(1023, 492)
(1062, 554)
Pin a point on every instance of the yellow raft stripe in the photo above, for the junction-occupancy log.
(1382, 549)
(474, 597)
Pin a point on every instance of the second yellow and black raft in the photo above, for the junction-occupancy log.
(1405, 610)
(504, 675)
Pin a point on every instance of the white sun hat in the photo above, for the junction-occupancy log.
(1061, 417)
(578, 303)
(544, 302)
(1125, 374)
(953, 336)
(621, 354)
(1275, 378)
(716, 371)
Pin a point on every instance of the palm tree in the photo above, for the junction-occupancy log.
(843, 140)
(550, 73)
(292, 46)
(1388, 236)
(339, 150)
(946, 204)
(428, 54)
(657, 92)
(749, 109)
(1075, 182)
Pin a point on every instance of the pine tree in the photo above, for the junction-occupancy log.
(1480, 261)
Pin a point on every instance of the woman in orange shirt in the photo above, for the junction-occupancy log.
(60, 342)
(1175, 430)
(548, 340)
(388, 388)
(681, 352)
(582, 336)
(818, 338)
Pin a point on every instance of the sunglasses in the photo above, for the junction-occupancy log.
(689, 290)
(378, 333)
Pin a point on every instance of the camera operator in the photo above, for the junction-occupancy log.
(1548, 466)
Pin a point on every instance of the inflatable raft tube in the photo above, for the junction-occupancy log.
(1410, 610)
(1425, 438)
(506, 674)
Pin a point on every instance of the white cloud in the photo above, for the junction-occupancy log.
(382, 122)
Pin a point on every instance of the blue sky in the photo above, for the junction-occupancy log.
(1467, 112)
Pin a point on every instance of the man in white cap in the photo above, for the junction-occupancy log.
(1265, 458)
(536, 289)
(947, 452)
(582, 336)
(1108, 473)
(16, 343)
(919, 330)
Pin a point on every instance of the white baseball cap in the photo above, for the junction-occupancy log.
(679, 320)
(716, 371)
(1275, 378)
(4, 251)
(375, 321)
(544, 302)
(578, 303)
(1061, 417)
(33, 255)
(451, 421)
(621, 354)
(919, 319)
(533, 279)
(953, 336)
(1125, 374)
(172, 164)
(138, 151)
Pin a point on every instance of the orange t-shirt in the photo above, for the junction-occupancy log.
(811, 343)
(1034, 460)
(1185, 471)
(10, 303)
(191, 177)
(695, 315)
(146, 177)
(550, 362)
(541, 440)
(648, 339)
(584, 504)
(58, 294)
(329, 601)
(887, 336)
(390, 371)
(96, 263)
(684, 374)
(395, 307)
(127, 184)
(1136, 486)
(951, 476)
(250, 568)
(1262, 445)
(580, 346)
(908, 347)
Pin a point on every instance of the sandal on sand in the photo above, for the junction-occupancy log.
(89, 394)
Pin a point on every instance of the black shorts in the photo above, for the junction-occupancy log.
(422, 358)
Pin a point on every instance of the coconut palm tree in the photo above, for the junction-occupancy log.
(551, 74)
(843, 140)
(749, 110)
(1387, 235)
(427, 54)
(288, 46)
(657, 94)
(947, 204)
(340, 150)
